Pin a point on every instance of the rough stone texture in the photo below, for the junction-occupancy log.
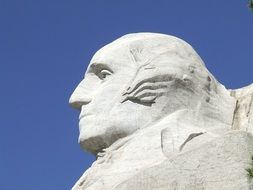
(243, 115)
(156, 118)
(219, 164)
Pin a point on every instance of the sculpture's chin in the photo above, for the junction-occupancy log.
(95, 141)
(93, 145)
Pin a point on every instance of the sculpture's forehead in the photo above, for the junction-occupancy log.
(162, 50)
(112, 53)
(128, 51)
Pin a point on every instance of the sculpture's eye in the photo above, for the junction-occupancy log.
(104, 73)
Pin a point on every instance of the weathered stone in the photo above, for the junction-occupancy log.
(156, 118)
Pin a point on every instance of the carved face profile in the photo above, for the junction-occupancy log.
(135, 81)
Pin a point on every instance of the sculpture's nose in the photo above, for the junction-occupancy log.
(79, 97)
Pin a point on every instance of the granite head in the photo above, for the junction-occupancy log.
(136, 80)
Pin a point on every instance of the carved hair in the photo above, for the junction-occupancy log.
(146, 58)
(155, 57)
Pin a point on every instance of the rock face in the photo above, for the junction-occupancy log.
(243, 113)
(156, 118)
(218, 164)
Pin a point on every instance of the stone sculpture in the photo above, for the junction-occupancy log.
(156, 118)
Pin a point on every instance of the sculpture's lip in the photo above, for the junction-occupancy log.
(81, 116)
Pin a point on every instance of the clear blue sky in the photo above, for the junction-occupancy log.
(45, 47)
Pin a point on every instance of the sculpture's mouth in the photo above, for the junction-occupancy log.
(82, 115)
